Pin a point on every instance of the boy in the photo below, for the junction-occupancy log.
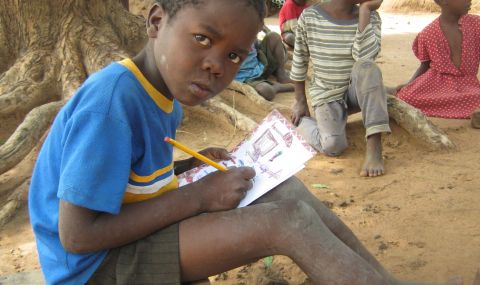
(266, 58)
(103, 200)
(341, 39)
(287, 19)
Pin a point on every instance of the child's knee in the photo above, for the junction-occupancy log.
(265, 90)
(296, 215)
(273, 38)
(334, 145)
(365, 68)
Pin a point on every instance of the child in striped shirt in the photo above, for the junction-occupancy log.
(341, 39)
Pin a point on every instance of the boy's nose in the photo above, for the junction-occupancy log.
(214, 64)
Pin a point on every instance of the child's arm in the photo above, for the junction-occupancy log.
(298, 73)
(424, 66)
(83, 230)
(364, 14)
(367, 41)
(300, 108)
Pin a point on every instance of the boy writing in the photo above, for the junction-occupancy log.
(341, 39)
(104, 202)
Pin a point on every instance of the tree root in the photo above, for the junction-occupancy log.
(253, 96)
(27, 135)
(417, 124)
(16, 199)
(241, 121)
(23, 86)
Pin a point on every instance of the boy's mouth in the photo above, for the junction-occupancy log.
(200, 90)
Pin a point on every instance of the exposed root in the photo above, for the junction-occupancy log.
(242, 122)
(100, 48)
(130, 30)
(27, 135)
(25, 96)
(252, 95)
(417, 124)
(13, 202)
(23, 86)
(72, 72)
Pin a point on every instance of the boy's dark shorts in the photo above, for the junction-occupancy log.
(151, 260)
(266, 57)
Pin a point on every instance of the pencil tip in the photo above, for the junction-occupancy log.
(166, 139)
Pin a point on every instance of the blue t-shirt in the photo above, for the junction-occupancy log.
(251, 67)
(105, 148)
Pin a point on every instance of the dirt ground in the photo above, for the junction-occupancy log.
(421, 219)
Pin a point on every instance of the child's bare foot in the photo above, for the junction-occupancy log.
(373, 165)
(476, 119)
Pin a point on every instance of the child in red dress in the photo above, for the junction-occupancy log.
(287, 19)
(446, 84)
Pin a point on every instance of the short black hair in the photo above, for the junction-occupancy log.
(173, 6)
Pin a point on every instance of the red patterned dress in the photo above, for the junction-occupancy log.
(445, 90)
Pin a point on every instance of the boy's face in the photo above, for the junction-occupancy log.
(199, 51)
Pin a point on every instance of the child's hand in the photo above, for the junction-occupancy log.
(221, 191)
(299, 110)
(372, 5)
(214, 153)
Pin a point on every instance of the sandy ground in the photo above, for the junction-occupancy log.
(421, 219)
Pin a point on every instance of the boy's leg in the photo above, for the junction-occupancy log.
(286, 221)
(217, 242)
(277, 56)
(289, 38)
(326, 133)
(366, 92)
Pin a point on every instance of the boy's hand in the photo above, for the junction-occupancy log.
(299, 110)
(214, 153)
(220, 191)
(372, 5)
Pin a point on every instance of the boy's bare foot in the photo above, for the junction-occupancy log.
(373, 165)
(476, 119)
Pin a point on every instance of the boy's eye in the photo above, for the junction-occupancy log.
(203, 40)
(234, 57)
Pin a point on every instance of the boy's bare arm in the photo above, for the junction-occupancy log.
(300, 108)
(83, 230)
(364, 13)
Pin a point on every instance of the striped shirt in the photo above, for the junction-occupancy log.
(333, 46)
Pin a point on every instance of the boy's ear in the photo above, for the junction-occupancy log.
(155, 18)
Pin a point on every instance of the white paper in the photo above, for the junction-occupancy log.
(274, 149)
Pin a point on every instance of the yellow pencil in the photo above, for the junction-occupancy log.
(195, 154)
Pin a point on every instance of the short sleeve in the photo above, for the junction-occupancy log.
(96, 162)
(420, 48)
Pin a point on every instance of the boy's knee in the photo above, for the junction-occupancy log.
(265, 90)
(334, 145)
(366, 68)
(273, 38)
(296, 215)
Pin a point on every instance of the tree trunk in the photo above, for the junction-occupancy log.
(48, 49)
